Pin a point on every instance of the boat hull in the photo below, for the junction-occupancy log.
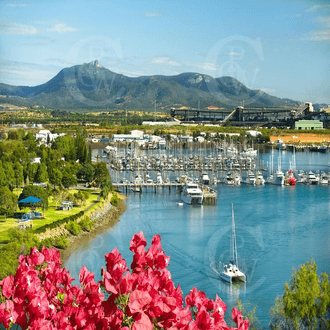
(188, 199)
(230, 278)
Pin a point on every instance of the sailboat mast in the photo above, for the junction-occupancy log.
(234, 248)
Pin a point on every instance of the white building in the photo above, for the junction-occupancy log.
(134, 135)
(44, 134)
(253, 133)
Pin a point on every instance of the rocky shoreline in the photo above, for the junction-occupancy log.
(103, 220)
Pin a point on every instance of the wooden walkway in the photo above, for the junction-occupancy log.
(209, 195)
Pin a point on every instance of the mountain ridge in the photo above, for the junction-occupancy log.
(90, 85)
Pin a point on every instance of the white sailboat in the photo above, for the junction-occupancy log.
(231, 273)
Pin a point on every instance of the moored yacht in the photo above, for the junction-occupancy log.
(205, 179)
(250, 179)
(237, 178)
(312, 178)
(280, 144)
(324, 178)
(159, 178)
(230, 179)
(192, 194)
(249, 152)
(138, 180)
(277, 178)
(260, 181)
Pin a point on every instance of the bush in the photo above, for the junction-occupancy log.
(58, 223)
(86, 223)
(114, 199)
(73, 228)
(21, 241)
(61, 242)
(47, 242)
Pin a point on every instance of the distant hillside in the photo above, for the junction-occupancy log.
(92, 86)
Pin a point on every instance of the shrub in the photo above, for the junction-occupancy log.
(47, 242)
(61, 242)
(86, 223)
(114, 199)
(58, 223)
(73, 228)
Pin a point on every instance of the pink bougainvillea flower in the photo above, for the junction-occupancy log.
(238, 319)
(41, 295)
(137, 241)
(35, 258)
(138, 300)
(7, 286)
(142, 322)
(195, 298)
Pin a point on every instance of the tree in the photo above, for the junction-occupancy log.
(8, 201)
(66, 145)
(81, 148)
(55, 176)
(306, 301)
(86, 172)
(35, 191)
(3, 179)
(42, 174)
(68, 179)
(18, 170)
(9, 172)
(14, 135)
(102, 176)
(30, 171)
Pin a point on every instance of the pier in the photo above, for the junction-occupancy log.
(209, 194)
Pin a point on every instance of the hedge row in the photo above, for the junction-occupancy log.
(58, 223)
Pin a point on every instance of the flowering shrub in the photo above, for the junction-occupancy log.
(41, 296)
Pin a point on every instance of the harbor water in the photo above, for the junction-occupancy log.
(278, 228)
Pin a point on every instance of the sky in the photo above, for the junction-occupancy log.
(279, 46)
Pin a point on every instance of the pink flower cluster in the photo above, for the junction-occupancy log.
(41, 296)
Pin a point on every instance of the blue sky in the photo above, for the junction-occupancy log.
(279, 46)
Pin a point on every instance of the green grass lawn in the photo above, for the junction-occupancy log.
(50, 215)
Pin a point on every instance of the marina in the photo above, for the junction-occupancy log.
(145, 170)
(278, 228)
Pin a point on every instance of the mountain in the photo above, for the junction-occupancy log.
(90, 85)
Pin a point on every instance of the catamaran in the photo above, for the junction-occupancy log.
(231, 273)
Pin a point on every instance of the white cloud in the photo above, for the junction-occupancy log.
(151, 14)
(16, 4)
(26, 74)
(164, 60)
(317, 7)
(321, 35)
(62, 28)
(17, 29)
(23, 29)
(206, 66)
(325, 20)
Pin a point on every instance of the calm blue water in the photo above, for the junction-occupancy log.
(277, 228)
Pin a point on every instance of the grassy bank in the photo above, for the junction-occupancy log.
(48, 216)
(22, 240)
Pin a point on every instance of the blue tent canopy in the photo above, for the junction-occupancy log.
(30, 200)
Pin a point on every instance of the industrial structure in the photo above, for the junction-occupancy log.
(281, 117)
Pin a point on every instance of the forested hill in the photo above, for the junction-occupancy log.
(90, 85)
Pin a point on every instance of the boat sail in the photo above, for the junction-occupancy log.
(231, 273)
